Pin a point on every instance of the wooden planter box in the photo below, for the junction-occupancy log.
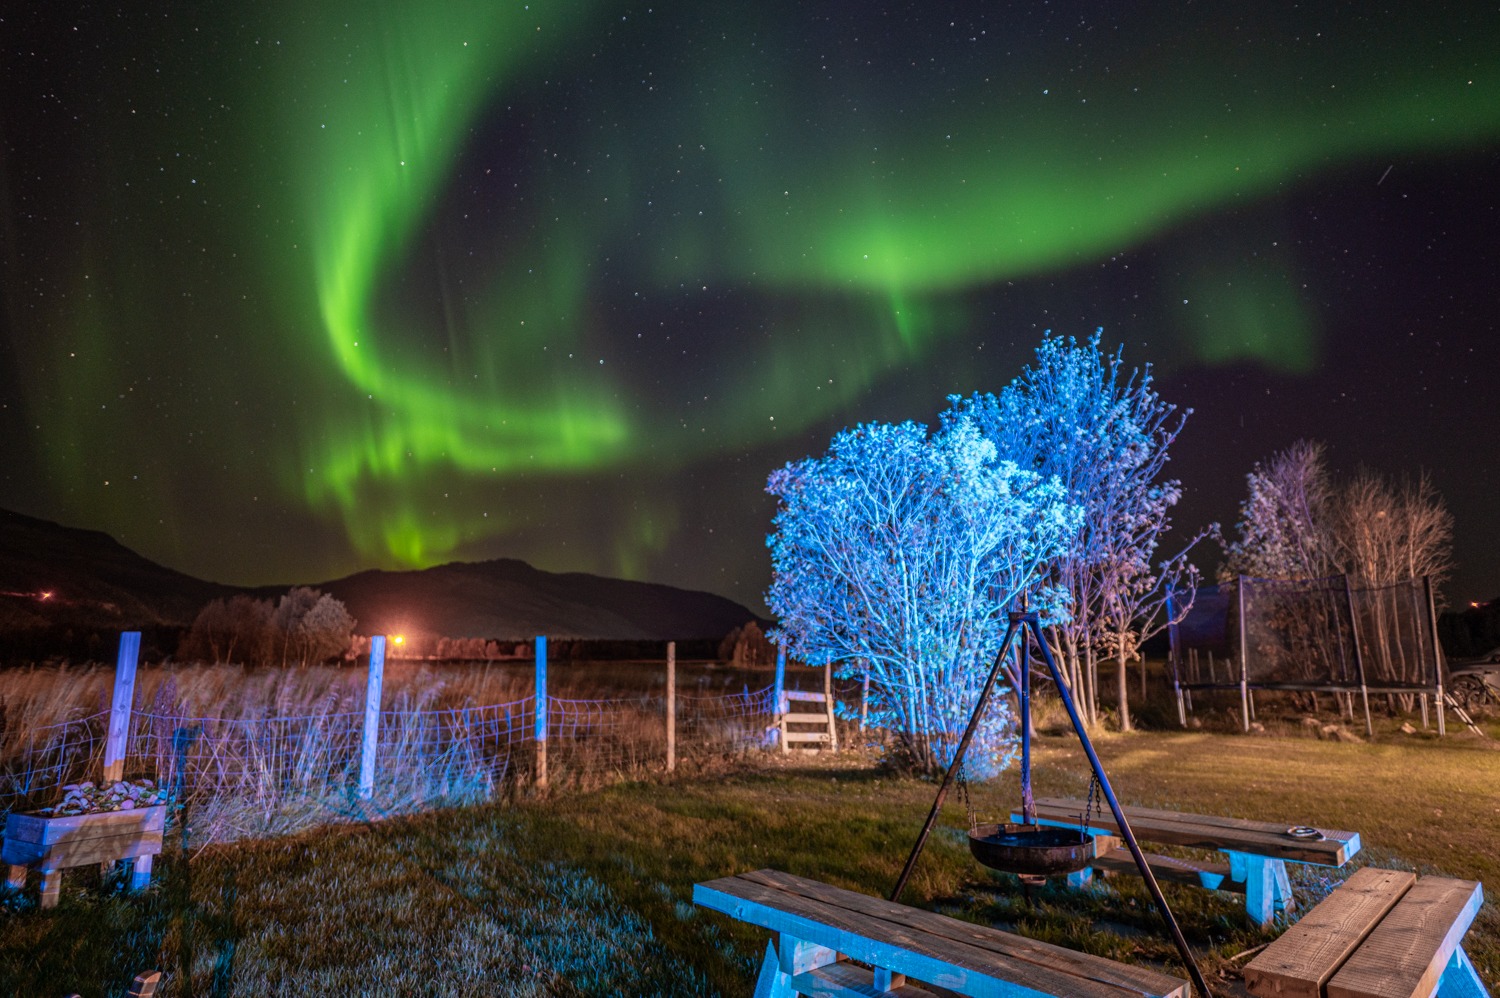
(51, 845)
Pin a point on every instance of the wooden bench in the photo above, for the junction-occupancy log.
(1258, 851)
(1380, 934)
(907, 952)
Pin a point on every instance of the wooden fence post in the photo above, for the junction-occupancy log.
(371, 739)
(541, 711)
(119, 711)
(671, 706)
(833, 731)
(779, 696)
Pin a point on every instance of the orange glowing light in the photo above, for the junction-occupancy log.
(399, 639)
(46, 594)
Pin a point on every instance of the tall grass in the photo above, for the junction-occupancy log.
(250, 753)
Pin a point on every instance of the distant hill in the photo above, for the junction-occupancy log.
(510, 599)
(96, 582)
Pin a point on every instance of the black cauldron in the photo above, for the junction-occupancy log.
(1031, 850)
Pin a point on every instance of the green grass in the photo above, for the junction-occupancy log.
(591, 893)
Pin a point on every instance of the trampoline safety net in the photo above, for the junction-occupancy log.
(1308, 634)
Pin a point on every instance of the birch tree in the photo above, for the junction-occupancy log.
(1080, 416)
(1285, 529)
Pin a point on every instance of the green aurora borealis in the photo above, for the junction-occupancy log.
(321, 287)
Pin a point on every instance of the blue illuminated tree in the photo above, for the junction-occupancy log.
(1078, 415)
(899, 552)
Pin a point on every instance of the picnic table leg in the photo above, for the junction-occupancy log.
(16, 877)
(1268, 889)
(773, 982)
(798, 956)
(1103, 844)
(51, 887)
(1460, 979)
(140, 873)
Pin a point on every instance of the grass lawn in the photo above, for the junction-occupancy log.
(590, 893)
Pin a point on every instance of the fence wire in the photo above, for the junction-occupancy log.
(54, 756)
(423, 756)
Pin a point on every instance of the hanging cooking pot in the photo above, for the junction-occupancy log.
(1031, 850)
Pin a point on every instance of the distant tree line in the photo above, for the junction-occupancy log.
(304, 627)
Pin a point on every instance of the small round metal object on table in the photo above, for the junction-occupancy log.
(1305, 832)
(1033, 850)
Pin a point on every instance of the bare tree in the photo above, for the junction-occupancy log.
(1389, 533)
(1140, 604)
(1284, 528)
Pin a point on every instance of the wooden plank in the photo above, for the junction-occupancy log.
(105, 849)
(973, 959)
(968, 933)
(798, 956)
(1073, 807)
(845, 980)
(801, 695)
(1082, 965)
(808, 736)
(42, 829)
(1405, 954)
(1300, 963)
(29, 838)
(821, 719)
(1207, 832)
(1210, 876)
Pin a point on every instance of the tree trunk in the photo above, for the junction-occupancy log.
(1124, 691)
(1091, 679)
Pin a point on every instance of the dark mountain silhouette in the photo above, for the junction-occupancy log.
(509, 599)
(96, 582)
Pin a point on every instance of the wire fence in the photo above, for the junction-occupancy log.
(277, 764)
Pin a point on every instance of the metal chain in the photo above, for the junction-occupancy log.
(963, 792)
(1091, 806)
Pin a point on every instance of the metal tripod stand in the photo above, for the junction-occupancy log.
(1024, 623)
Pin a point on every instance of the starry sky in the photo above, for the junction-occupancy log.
(296, 289)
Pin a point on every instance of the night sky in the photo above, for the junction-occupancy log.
(297, 289)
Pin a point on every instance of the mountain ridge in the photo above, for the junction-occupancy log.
(97, 582)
